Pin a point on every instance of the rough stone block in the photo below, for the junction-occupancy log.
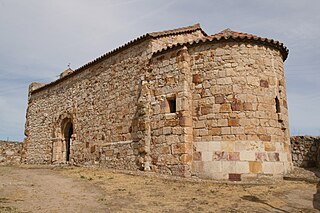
(228, 137)
(214, 146)
(224, 81)
(264, 83)
(196, 78)
(237, 105)
(247, 107)
(265, 137)
(283, 156)
(165, 150)
(180, 170)
(237, 130)
(255, 167)
(268, 167)
(167, 130)
(200, 124)
(261, 156)
(233, 122)
(234, 177)
(185, 121)
(218, 155)
(228, 166)
(222, 122)
(242, 167)
(206, 156)
(269, 146)
(202, 146)
(177, 130)
(197, 167)
(181, 148)
(225, 130)
(197, 156)
(273, 156)
(170, 122)
(219, 99)
(219, 52)
(278, 167)
(206, 110)
(254, 81)
(93, 149)
(203, 132)
(170, 139)
(234, 156)
(228, 146)
(109, 153)
(216, 138)
(212, 166)
(186, 158)
(214, 131)
(225, 108)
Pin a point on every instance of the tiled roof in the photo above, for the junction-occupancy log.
(133, 42)
(229, 35)
(145, 37)
(178, 31)
(225, 35)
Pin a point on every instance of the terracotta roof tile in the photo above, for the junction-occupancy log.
(229, 35)
(135, 41)
(145, 37)
(178, 31)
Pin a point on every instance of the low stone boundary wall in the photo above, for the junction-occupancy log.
(305, 151)
(10, 152)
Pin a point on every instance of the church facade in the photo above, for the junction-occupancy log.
(176, 102)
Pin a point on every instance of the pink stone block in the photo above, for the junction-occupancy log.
(218, 155)
(274, 156)
(234, 156)
(261, 156)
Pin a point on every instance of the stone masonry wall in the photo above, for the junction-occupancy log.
(305, 151)
(99, 105)
(238, 132)
(211, 109)
(171, 130)
(159, 43)
(10, 152)
(101, 102)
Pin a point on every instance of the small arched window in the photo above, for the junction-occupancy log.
(277, 105)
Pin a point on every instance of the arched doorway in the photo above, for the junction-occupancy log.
(67, 133)
(63, 139)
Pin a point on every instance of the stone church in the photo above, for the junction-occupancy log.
(176, 102)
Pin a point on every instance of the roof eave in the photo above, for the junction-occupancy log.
(122, 48)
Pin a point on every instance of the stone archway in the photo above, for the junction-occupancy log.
(67, 136)
(63, 138)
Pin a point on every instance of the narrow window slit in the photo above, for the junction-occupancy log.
(172, 105)
(277, 105)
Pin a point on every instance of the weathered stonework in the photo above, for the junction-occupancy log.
(10, 152)
(176, 102)
(305, 151)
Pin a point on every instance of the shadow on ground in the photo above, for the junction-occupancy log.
(253, 198)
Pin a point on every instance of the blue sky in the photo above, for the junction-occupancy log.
(39, 38)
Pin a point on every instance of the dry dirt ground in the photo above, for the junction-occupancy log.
(71, 189)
